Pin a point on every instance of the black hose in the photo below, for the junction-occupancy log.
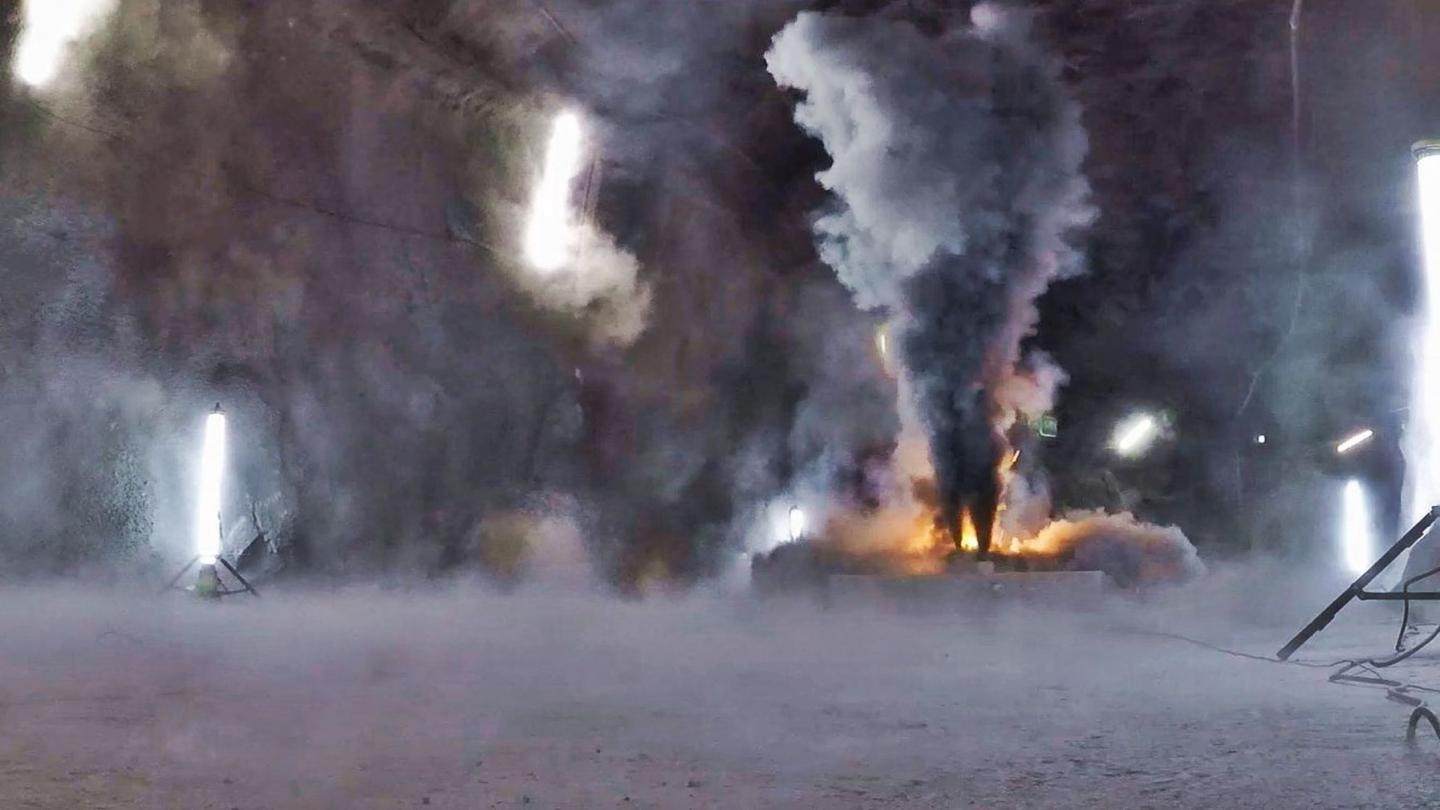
(1421, 711)
(1394, 690)
(1405, 614)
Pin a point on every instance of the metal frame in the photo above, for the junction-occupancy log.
(1357, 588)
(245, 586)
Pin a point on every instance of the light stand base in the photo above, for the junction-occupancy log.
(208, 583)
(1357, 588)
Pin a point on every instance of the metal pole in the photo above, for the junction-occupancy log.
(193, 560)
(1328, 614)
(236, 574)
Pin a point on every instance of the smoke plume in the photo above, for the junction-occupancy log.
(957, 179)
(1129, 551)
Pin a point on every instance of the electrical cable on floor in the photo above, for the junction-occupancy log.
(1405, 613)
(1421, 711)
(1395, 691)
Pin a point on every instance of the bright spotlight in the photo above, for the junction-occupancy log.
(1423, 456)
(797, 523)
(1354, 440)
(48, 27)
(549, 237)
(212, 471)
(1260, 439)
(1135, 434)
(1356, 543)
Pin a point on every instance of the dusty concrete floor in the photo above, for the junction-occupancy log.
(466, 700)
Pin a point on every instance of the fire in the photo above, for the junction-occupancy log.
(969, 537)
(920, 543)
(926, 550)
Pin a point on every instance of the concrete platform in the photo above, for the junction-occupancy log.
(1069, 588)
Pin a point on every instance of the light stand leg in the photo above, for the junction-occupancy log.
(187, 567)
(1328, 614)
(236, 574)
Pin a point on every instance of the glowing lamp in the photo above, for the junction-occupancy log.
(212, 476)
(1354, 440)
(884, 349)
(1423, 457)
(797, 523)
(47, 28)
(1356, 542)
(549, 236)
(1134, 435)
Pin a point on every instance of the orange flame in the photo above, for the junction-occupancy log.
(969, 538)
(929, 545)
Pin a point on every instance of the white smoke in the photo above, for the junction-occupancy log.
(899, 207)
(957, 180)
(602, 287)
(957, 177)
(573, 266)
(1130, 551)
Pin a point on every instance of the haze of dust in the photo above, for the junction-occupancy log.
(462, 697)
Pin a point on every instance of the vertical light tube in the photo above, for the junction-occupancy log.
(797, 523)
(1422, 431)
(1357, 544)
(549, 236)
(212, 472)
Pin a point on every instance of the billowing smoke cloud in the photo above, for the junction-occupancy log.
(601, 288)
(1129, 551)
(957, 177)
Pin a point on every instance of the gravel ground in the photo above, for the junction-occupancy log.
(463, 699)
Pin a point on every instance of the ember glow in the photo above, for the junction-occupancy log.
(550, 237)
(47, 30)
(212, 472)
(928, 547)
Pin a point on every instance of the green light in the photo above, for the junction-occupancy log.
(1048, 427)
